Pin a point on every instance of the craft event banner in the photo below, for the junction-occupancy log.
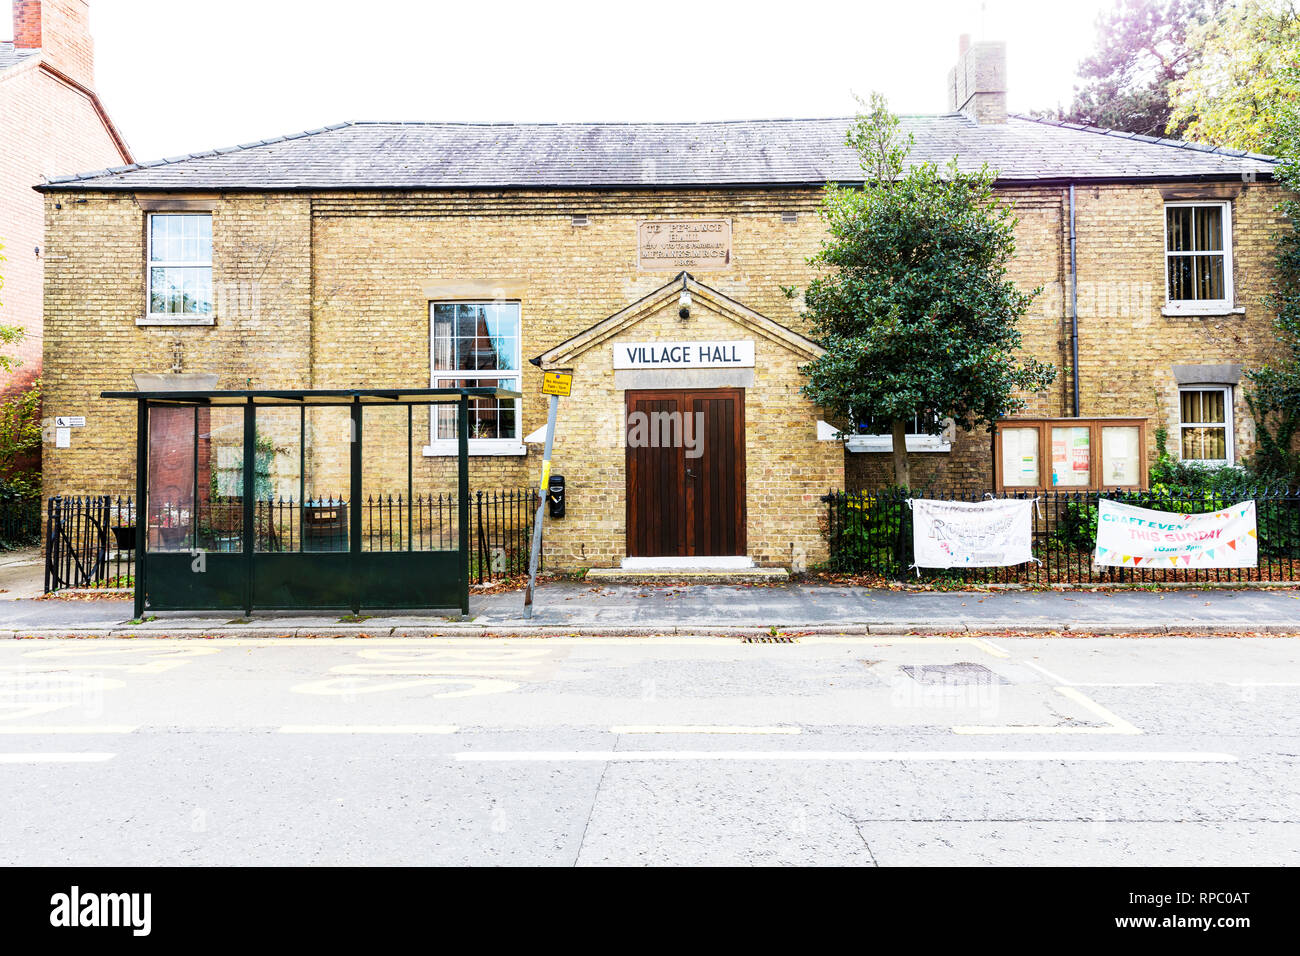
(1128, 536)
(970, 534)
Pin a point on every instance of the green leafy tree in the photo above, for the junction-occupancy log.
(20, 421)
(1142, 48)
(9, 334)
(1275, 397)
(1244, 81)
(20, 437)
(913, 306)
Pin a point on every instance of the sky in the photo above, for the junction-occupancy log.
(179, 76)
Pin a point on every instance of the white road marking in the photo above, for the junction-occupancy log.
(68, 729)
(56, 758)
(1118, 684)
(368, 729)
(875, 756)
(701, 729)
(1260, 683)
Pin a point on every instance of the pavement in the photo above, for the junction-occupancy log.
(22, 574)
(577, 608)
(872, 750)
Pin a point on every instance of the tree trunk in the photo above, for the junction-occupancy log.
(902, 474)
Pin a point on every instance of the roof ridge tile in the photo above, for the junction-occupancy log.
(430, 154)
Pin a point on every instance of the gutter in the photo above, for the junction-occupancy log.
(96, 183)
(1074, 307)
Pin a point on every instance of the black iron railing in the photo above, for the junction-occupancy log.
(90, 539)
(871, 533)
(89, 542)
(20, 521)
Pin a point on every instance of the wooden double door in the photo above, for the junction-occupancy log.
(685, 472)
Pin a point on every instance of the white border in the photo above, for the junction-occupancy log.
(175, 318)
(1222, 306)
(446, 447)
(1229, 424)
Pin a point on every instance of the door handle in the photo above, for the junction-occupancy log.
(689, 473)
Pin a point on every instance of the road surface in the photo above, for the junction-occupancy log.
(872, 751)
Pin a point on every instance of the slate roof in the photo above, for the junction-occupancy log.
(398, 156)
(12, 57)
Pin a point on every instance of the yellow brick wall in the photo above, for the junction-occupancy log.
(1127, 348)
(332, 291)
(375, 257)
(787, 469)
(95, 292)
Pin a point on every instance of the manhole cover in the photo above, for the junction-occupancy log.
(963, 673)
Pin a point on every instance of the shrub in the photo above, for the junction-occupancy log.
(867, 531)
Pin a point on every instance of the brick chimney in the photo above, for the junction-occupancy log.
(977, 85)
(61, 29)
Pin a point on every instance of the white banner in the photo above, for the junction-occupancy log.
(966, 534)
(1128, 536)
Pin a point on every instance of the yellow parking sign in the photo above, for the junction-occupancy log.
(557, 383)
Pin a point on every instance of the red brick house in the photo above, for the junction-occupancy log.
(51, 122)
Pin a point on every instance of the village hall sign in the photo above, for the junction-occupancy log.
(684, 354)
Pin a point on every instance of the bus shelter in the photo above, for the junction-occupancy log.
(303, 499)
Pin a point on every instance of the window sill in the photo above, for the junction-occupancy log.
(885, 443)
(1197, 310)
(477, 447)
(176, 320)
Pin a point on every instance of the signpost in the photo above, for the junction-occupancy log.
(554, 384)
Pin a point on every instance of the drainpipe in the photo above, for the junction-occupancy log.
(1074, 307)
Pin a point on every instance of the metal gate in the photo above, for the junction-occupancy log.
(76, 542)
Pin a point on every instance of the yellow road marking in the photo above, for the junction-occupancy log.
(1055, 678)
(1121, 725)
(348, 686)
(988, 647)
(1114, 724)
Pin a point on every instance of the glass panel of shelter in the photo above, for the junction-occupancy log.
(302, 476)
(170, 490)
(326, 477)
(278, 478)
(407, 504)
(195, 480)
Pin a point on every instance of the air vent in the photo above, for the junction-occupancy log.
(581, 220)
(789, 217)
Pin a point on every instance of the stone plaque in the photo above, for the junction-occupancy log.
(668, 245)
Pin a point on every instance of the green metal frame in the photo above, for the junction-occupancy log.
(336, 580)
